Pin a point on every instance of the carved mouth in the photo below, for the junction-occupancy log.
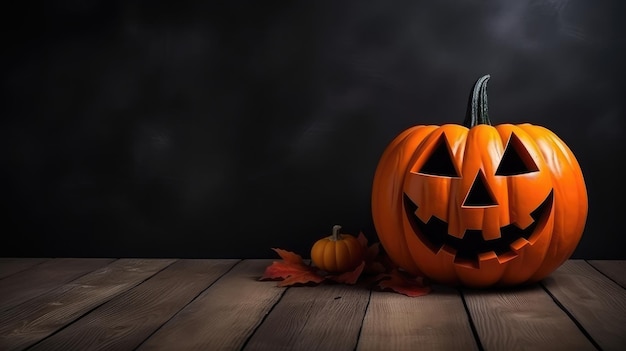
(435, 235)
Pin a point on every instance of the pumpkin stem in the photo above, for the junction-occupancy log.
(477, 109)
(336, 229)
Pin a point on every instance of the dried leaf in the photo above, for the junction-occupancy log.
(349, 277)
(375, 268)
(362, 240)
(289, 257)
(372, 252)
(280, 270)
(402, 283)
(303, 277)
(291, 270)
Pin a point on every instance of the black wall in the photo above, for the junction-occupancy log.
(225, 128)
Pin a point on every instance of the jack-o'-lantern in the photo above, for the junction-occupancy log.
(479, 205)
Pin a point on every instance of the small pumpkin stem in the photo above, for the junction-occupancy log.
(477, 108)
(336, 229)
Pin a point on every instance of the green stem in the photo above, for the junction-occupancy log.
(336, 229)
(477, 107)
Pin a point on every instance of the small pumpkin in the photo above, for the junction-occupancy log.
(476, 204)
(337, 253)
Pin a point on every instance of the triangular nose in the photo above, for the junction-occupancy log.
(479, 194)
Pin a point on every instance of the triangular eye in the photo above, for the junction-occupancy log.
(516, 159)
(440, 161)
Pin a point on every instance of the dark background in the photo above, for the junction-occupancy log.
(226, 128)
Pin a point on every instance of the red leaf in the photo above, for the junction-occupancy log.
(402, 283)
(302, 278)
(375, 268)
(291, 270)
(348, 277)
(372, 252)
(289, 257)
(280, 270)
(362, 240)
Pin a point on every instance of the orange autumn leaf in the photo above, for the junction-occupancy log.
(348, 277)
(402, 283)
(302, 277)
(289, 257)
(372, 252)
(371, 255)
(362, 240)
(291, 270)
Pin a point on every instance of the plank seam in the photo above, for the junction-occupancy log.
(56, 287)
(187, 304)
(571, 316)
(471, 322)
(367, 306)
(604, 274)
(98, 306)
(245, 343)
(47, 259)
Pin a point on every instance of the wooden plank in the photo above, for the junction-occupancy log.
(397, 322)
(44, 277)
(127, 320)
(223, 316)
(39, 317)
(614, 269)
(324, 317)
(10, 266)
(597, 303)
(523, 319)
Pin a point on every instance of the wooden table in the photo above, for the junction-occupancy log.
(211, 304)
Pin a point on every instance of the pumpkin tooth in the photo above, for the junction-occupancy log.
(519, 244)
(523, 220)
(422, 214)
(466, 262)
(507, 256)
(448, 250)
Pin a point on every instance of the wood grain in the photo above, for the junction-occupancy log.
(10, 266)
(127, 320)
(41, 316)
(437, 321)
(148, 304)
(597, 303)
(44, 277)
(614, 269)
(523, 319)
(223, 316)
(324, 317)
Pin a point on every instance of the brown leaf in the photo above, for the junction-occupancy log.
(348, 277)
(280, 270)
(372, 252)
(375, 268)
(289, 256)
(362, 240)
(402, 283)
(291, 270)
(303, 277)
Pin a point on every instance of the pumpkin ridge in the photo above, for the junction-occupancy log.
(569, 186)
(384, 205)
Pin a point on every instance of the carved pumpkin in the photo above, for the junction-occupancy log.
(337, 253)
(476, 204)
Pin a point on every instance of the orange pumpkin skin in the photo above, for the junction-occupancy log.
(547, 202)
(337, 253)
